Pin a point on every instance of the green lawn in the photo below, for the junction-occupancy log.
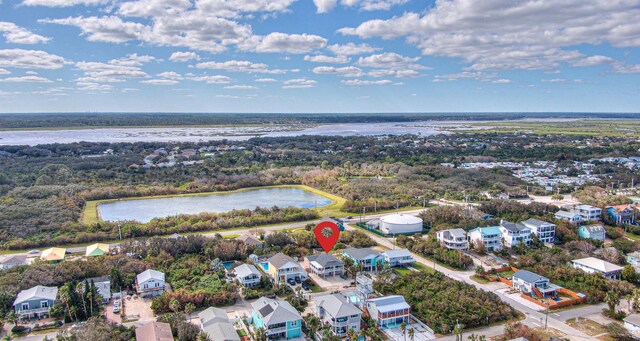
(479, 279)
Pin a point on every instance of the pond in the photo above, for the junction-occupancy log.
(143, 210)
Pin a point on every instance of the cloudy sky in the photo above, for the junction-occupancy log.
(319, 55)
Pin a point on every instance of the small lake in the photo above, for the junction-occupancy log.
(143, 210)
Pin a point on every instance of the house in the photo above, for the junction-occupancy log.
(365, 258)
(9, 261)
(324, 265)
(250, 240)
(401, 257)
(277, 317)
(388, 311)
(53, 255)
(175, 236)
(544, 231)
(595, 265)
(337, 312)
(588, 212)
(595, 231)
(97, 250)
(491, 237)
(216, 324)
(515, 233)
(283, 267)
(150, 283)
(632, 324)
(154, 331)
(248, 275)
(633, 258)
(533, 284)
(453, 239)
(35, 302)
(621, 214)
(570, 216)
(103, 285)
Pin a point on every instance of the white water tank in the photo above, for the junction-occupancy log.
(400, 223)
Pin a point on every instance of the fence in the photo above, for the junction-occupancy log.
(379, 233)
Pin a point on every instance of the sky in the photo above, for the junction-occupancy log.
(317, 56)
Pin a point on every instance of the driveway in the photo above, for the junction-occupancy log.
(138, 308)
(332, 282)
(111, 316)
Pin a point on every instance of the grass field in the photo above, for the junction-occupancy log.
(90, 214)
(579, 127)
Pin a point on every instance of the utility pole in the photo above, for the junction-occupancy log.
(120, 230)
(546, 315)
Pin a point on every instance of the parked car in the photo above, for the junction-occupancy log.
(271, 296)
(116, 309)
(116, 303)
(298, 280)
(291, 281)
(305, 286)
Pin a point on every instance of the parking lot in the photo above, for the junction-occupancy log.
(111, 316)
(138, 308)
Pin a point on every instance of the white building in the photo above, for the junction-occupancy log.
(248, 275)
(588, 212)
(389, 311)
(401, 257)
(150, 283)
(515, 233)
(453, 239)
(632, 324)
(545, 231)
(570, 216)
(490, 236)
(9, 261)
(595, 265)
(216, 324)
(340, 314)
(400, 223)
(324, 265)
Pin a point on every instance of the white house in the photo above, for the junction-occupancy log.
(570, 216)
(595, 265)
(9, 261)
(388, 311)
(632, 324)
(588, 212)
(515, 233)
(103, 285)
(400, 257)
(453, 239)
(150, 283)
(533, 284)
(340, 314)
(324, 265)
(545, 231)
(216, 324)
(491, 237)
(248, 275)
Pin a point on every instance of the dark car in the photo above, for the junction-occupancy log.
(291, 281)
(298, 280)
(305, 286)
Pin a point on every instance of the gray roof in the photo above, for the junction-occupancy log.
(14, 259)
(221, 331)
(245, 270)
(389, 303)
(249, 240)
(360, 254)
(275, 311)
(150, 274)
(280, 259)
(566, 214)
(212, 315)
(103, 284)
(337, 305)
(397, 253)
(513, 227)
(633, 319)
(325, 259)
(455, 233)
(38, 292)
(528, 276)
(587, 207)
(535, 222)
(594, 228)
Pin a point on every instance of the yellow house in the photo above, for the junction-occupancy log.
(97, 250)
(53, 255)
(282, 268)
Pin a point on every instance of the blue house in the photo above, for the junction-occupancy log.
(621, 214)
(365, 258)
(595, 231)
(35, 302)
(278, 318)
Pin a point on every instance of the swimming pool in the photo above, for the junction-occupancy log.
(265, 266)
(227, 265)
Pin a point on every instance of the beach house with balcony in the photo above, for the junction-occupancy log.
(595, 265)
(595, 231)
(388, 311)
(337, 312)
(35, 302)
(364, 258)
(324, 265)
(533, 284)
(400, 257)
(278, 318)
(515, 233)
(491, 237)
(588, 212)
(248, 275)
(282, 267)
(621, 214)
(453, 239)
(570, 216)
(545, 231)
(150, 283)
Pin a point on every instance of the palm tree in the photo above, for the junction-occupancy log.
(260, 334)
(403, 328)
(12, 318)
(412, 334)
(80, 291)
(65, 298)
(612, 299)
(189, 308)
(352, 335)
(174, 305)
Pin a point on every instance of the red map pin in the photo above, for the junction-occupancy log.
(327, 242)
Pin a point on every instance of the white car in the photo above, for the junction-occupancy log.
(116, 309)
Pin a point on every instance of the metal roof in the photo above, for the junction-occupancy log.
(280, 259)
(536, 222)
(275, 311)
(528, 276)
(221, 331)
(325, 259)
(37, 292)
(597, 264)
(397, 253)
(336, 305)
(245, 270)
(150, 274)
(513, 227)
(389, 303)
(360, 254)
(212, 315)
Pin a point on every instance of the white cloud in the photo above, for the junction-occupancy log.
(169, 75)
(278, 42)
(233, 8)
(394, 73)
(265, 80)
(347, 71)
(357, 82)
(240, 87)
(554, 80)
(62, 3)
(228, 96)
(114, 71)
(327, 59)
(90, 86)
(105, 29)
(30, 59)
(501, 81)
(218, 79)
(325, 6)
(299, 83)
(626, 68)
(183, 56)
(594, 60)
(477, 75)
(390, 60)
(18, 35)
(159, 81)
(151, 8)
(31, 73)
(4, 72)
(373, 5)
(26, 79)
(351, 49)
(239, 66)
(522, 35)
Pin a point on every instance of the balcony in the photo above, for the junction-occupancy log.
(37, 311)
